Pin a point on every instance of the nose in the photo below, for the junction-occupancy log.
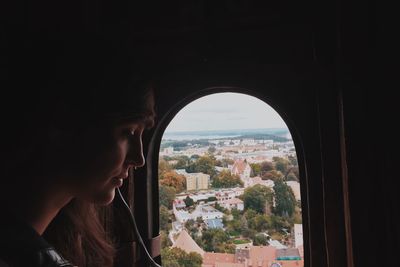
(134, 156)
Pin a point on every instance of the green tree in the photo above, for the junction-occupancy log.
(281, 164)
(188, 201)
(285, 201)
(260, 240)
(176, 257)
(225, 179)
(182, 162)
(256, 198)
(235, 213)
(166, 195)
(164, 218)
(259, 223)
(165, 242)
(255, 169)
(191, 226)
(204, 164)
(213, 239)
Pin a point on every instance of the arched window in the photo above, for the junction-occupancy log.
(229, 184)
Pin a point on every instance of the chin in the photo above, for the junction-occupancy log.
(104, 198)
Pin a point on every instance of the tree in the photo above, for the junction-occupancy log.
(256, 197)
(225, 179)
(285, 201)
(255, 169)
(164, 218)
(173, 179)
(190, 225)
(182, 162)
(235, 213)
(212, 149)
(272, 175)
(266, 166)
(176, 257)
(293, 160)
(260, 240)
(293, 174)
(259, 223)
(281, 164)
(194, 156)
(165, 242)
(163, 166)
(292, 177)
(204, 164)
(188, 201)
(214, 239)
(167, 196)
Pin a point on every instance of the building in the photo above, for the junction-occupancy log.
(242, 168)
(257, 180)
(211, 259)
(186, 243)
(298, 235)
(195, 181)
(202, 211)
(214, 223)
(232, 203)
(295, 186)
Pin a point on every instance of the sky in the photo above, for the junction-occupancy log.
(225, 111)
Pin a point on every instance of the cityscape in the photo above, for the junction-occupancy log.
(230, 198)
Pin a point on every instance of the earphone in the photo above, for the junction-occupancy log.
(133, 222)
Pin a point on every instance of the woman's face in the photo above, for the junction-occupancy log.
(101, 158)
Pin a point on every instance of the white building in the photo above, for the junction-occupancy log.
(257, 180)
(295, 186)
(202, 211)
(232, 203)
(298, 235)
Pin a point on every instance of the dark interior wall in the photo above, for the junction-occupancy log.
(274, 53)
(316, 65)
(325, 67)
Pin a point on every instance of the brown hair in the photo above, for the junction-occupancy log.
(78, 234)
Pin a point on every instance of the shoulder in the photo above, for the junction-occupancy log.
(21, 246)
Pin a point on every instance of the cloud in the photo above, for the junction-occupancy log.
(226, 111)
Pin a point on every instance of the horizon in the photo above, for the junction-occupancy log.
(219, 130)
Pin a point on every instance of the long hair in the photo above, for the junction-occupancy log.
(78, 233)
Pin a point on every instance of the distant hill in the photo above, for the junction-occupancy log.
(224, 133)
(261, 136)
(179, 140)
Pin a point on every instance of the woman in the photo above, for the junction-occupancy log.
(69, 158)
(72, 120)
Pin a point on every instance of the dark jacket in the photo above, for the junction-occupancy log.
(21, 245)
